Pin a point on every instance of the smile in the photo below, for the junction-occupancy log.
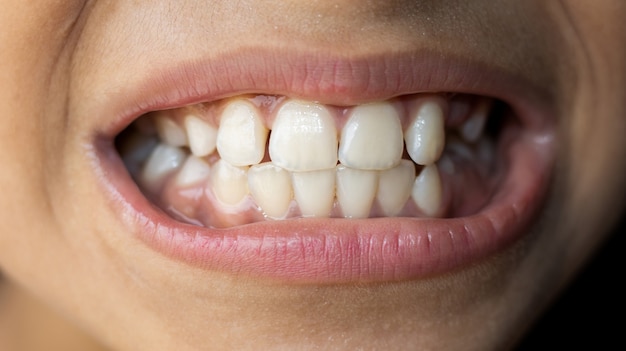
(339, 170)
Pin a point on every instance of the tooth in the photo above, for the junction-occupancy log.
(169, 131)
(270, 186)
(164, 160)
(193, 171)
(356, 190)
(472, 129)
(427, 191)
(201, 136)
(242, 135)
(394, 187)
(315, 192)
(229, 183)
(372, 137)
(135, 149)
(304, 137)
(425, 136)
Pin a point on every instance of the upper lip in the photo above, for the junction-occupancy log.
(328, 250)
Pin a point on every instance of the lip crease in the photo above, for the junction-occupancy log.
(331, 251)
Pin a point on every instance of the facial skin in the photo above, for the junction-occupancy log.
(61, 241)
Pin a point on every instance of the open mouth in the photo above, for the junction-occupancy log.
(289, 187)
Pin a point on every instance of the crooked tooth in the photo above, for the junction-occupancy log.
(394, 187)
(356, 190)
(315, 192)
(168, 130)
(193, 171)
(427, 191)
(229, 183)
(201, 136)
(472, 129)
(303, 138)
(242, 135)
(271, 188)
(164, 160)
(372, 137)
(425, 136)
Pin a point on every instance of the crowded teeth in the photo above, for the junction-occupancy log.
(202, 136)
(303, 138)
(271, 189)
(164, 160)
(394, 187)
(356, 190)
(242, 135)
(472, 129)
(193, 171)
(169, 131)
(425, 136)
(372, 137)
(229, 183)
(427, 191)
(315, 192)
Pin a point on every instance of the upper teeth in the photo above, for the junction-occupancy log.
(323, 159)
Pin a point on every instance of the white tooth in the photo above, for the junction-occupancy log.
(163, 161)
(425, 136)
(372, 137)
(427, 191)
(270, 186)
(242, 135)
(201, 136)
(194, 171)
(169, 131)
(472, 129)
(394, 187)
(229, 183)
(356, 190)
(315, 192)
(304, 137)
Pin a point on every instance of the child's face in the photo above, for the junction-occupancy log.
(474, 232)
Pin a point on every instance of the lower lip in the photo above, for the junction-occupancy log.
(334, 251)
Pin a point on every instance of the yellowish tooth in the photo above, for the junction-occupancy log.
(195, 170)
(271, 189)
(164, 160)
(425, 136)
(242, 135)
(355, 191)
(394, 187)
(473, 128)
(315, 192)
(229, 183)
(202, 136)
(372, 137)
(304, 137)
(168, 130)
(427, 191)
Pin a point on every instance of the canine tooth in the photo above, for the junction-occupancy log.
(201, 136)
(193, 171)
(356, 190)
(425, 136)
(164, 160)
(315, 192)
(394, 187)
(169, 131)
(372, 137)
(270, 186)
(229, 183)
(427, 191)
(472, 129)
(303, 138)
(242, 135)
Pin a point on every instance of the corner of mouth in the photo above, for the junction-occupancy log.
(336, 250)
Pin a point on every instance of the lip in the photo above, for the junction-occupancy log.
(331, 251)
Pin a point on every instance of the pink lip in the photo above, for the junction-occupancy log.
(332, 250)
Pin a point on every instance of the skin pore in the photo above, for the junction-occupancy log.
(65, 248)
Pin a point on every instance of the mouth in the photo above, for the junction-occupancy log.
(306, 169)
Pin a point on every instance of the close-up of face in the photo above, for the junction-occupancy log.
(303, 175)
